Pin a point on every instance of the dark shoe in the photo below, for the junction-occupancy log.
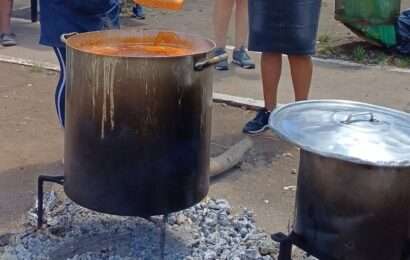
(223, 65)
(8, 39)
(242, 59)
(259, 124)
(138, 12)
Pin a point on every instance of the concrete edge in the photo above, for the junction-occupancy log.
(248, 103)
(30, 63)
(350, 63)
(358, 65)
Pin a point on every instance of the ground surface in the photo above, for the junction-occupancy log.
(31, 141)
(32, 144)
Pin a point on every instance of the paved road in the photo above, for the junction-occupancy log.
(32, 144)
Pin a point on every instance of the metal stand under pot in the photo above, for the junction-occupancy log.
(353, 195)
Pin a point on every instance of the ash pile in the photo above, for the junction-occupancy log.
(206, 231)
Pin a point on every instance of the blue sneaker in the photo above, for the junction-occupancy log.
(138, 12)
(242, 59)
(223, 65)
(259, 124)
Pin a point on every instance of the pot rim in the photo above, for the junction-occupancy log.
(208, 44)
(334, 155)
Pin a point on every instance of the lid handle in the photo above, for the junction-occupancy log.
(360, 117)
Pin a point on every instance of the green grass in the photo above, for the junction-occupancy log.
(382, 58)
(359, 54)
(324, 38)
(402, 62)
(326, 50)
(325, 45)
(36, 69)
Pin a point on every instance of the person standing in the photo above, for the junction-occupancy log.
(278, 28)
(7, 38)
(222, 15)
(59, 17)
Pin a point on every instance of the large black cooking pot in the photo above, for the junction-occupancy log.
(353, 195)
(137, 128)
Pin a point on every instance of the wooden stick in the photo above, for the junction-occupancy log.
(229, 158)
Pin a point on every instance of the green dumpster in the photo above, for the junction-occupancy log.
(373, 20)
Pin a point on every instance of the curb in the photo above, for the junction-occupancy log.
(29, 63)
(235, 101)
(358, 65)
(348, 63)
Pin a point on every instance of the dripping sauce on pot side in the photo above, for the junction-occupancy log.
(137, 128)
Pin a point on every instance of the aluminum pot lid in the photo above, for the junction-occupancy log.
(346, 130)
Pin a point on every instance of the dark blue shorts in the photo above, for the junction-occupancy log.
(65, 16)
(284, 26)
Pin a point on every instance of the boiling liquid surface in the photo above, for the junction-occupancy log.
(138, 50)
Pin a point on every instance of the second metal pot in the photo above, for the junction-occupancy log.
(353, 195)
(351, 211)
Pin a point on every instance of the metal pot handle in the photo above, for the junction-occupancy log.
(358, 117)
(65, 36)
(203, 64)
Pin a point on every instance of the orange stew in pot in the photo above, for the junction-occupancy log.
(163, 44)
(138, 50)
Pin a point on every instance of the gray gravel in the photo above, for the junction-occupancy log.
(204, 232)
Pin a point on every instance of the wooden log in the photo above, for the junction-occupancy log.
(230, 157)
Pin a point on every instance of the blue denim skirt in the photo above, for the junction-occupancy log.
(284, 26)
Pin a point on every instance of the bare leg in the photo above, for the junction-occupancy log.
(5, 15)
(301, 69)
(222, 16)
(271, 64)
(241, 23)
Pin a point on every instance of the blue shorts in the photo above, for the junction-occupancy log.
(284, 26)
(64, 16)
